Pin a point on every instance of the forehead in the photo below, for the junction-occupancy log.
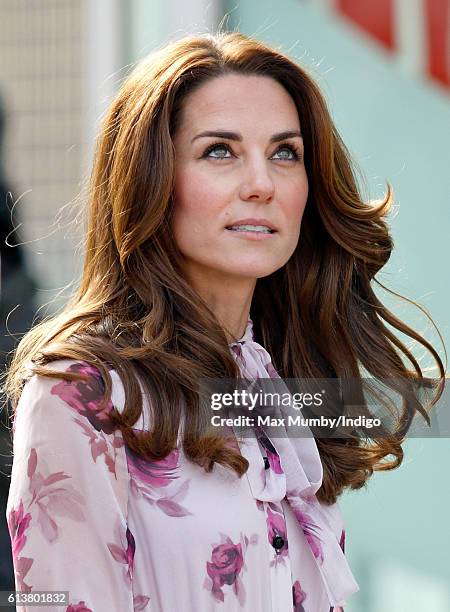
(235, 99)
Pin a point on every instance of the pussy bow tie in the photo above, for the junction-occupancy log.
(295, 473)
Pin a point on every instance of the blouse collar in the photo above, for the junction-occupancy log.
(248, 334)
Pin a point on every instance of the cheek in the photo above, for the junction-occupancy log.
(196, 209)
(189, 206)
(194, 196)
(296, 203)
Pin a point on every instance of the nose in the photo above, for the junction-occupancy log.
(257, 183)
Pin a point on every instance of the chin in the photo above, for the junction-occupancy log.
(252, 272)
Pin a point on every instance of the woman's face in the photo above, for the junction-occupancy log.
(245, 175)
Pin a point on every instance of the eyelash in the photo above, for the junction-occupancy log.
(296, 151)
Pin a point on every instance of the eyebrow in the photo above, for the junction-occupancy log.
(236, 136)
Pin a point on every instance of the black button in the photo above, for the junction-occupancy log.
(278, 542)
(266, 463)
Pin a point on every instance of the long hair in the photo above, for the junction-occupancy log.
(133, 310)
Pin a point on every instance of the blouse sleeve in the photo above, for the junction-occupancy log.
(67, 503)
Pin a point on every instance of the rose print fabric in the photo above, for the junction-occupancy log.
(119, 533)
(295, 476)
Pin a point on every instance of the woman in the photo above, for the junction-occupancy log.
(120, 494)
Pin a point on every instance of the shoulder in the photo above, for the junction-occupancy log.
(57, 417)
(87, 394)
(83, 394)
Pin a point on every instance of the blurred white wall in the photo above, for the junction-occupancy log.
(42, 76)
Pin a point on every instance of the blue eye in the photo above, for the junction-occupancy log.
(214, 147)
(295, 152)
(297, 155)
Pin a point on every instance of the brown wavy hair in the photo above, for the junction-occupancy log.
(133, 310)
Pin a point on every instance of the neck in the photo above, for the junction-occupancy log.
(229, 298)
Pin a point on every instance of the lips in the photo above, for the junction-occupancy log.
(253, 221)
(235, 229)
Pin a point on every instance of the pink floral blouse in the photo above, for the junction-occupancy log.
(87, 515)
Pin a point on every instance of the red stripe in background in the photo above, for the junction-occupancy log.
(437, 31)
(376, 17)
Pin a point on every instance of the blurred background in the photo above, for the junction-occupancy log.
(384, 67)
